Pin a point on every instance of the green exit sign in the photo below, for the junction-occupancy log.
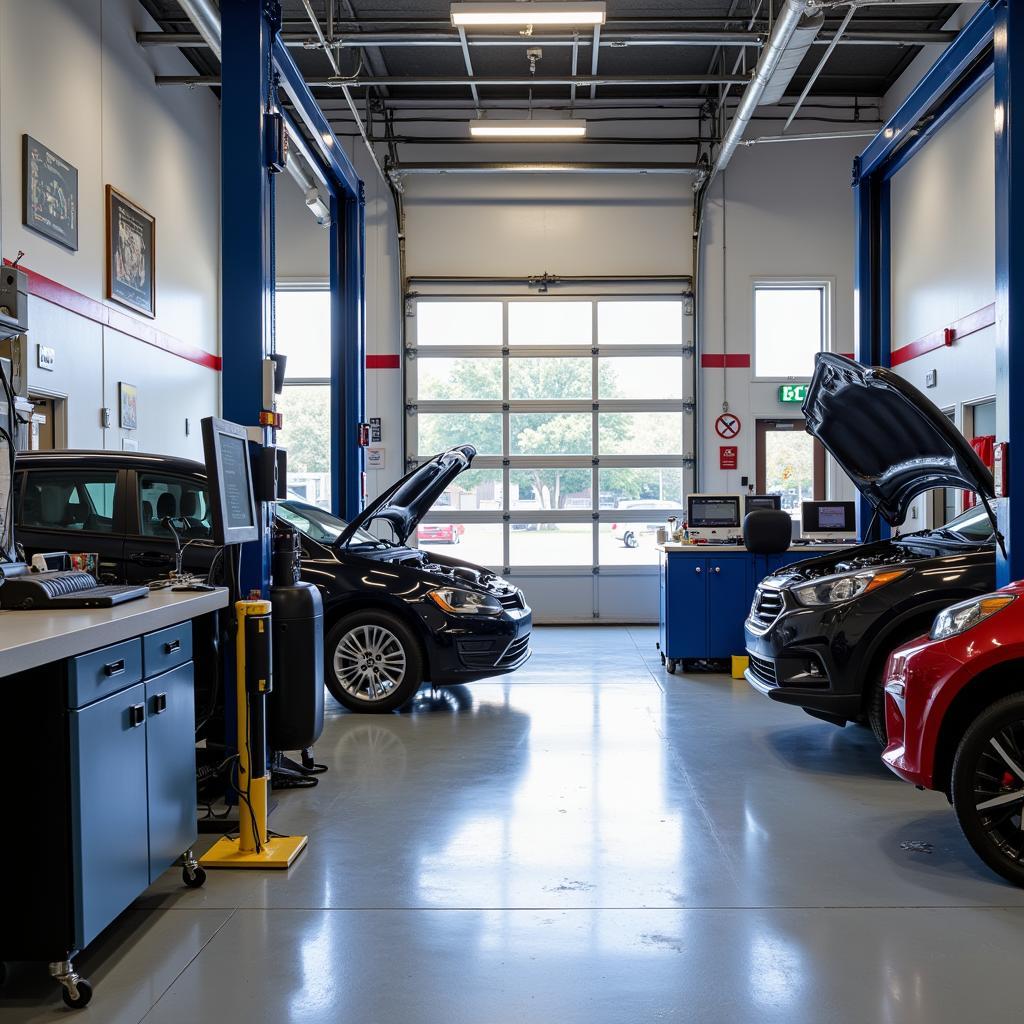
(792, 392)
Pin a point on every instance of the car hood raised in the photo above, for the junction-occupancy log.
(891, 440)
(405, 503)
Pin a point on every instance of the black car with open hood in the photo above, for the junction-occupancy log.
(819, 631)
(394, 616)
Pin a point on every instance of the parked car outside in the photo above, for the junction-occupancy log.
(440, 533)
(955, 712)
(629, 533)
(394, 616)
(819, 632)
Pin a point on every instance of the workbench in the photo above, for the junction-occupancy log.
(97, 728)
(706, 592)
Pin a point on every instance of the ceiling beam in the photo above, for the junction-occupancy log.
(362, 81)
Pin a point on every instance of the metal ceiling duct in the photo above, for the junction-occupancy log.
(205, 15)
(786, 25)
(803, 36)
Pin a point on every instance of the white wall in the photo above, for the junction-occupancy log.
(943, 258)
(303, 258)
(73, 77)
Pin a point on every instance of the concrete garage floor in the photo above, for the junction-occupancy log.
(588, 840)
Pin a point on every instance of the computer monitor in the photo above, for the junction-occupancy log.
(232, 507)
(834, 519)
(762, 503)
(713, 516)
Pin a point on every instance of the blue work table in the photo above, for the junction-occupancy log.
(706, 592)
(97, 725)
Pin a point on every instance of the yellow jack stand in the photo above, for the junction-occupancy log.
(253, 848)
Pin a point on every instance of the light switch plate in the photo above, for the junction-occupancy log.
(931, 378)
(105, 418)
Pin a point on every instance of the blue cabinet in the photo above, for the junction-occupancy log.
(110, 836)
(705, 599)
(170, 766)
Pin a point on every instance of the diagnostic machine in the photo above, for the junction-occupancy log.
(828, 522)
(714, 518)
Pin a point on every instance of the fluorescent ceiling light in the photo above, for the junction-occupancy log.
(527, 13)
(528, 129)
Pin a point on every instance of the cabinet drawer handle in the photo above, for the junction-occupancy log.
(171, 646)
(698, 570)
(136, 715)
(114, 668)
(159, 703)
(718, 568)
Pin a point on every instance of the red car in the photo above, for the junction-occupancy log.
(954, 705)
(440, 533)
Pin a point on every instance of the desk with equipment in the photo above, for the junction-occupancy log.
(708, 576)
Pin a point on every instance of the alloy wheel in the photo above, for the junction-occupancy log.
(999, 790)
(369, 662)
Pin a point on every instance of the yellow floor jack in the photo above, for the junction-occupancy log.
(254, 847)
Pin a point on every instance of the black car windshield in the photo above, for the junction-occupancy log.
(318, 524)
(970, 527)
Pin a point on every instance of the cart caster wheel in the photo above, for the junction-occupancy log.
(663, 659)
(670, 666)
(84, 990)
(194, 878)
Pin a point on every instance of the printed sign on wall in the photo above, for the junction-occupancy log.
(49, 194)
(728, 456)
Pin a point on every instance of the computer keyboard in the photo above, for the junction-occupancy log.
(64, 590)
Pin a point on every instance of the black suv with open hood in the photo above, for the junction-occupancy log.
(393, 616)
(819, 632)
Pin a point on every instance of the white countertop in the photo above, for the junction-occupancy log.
(799, 550)
(34, 638)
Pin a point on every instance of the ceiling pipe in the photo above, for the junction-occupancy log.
(344, 89)
(322, 82)
(612, 40)
(206, 18)
(535, 167)
(772, 57)
(818, 70)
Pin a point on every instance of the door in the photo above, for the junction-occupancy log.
(686, 607)
(110, 859)
(789, 462)
(728, 601)
(155, 499)
(76, 510)
(170, 767)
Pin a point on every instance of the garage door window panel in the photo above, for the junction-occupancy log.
(458, 323)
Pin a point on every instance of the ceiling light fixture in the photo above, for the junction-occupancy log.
(466, 15)
(561, 128)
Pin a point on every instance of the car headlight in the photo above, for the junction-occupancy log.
(968, 614)
(465, 602)
(837, 589)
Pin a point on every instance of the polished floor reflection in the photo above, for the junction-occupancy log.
(589, 839)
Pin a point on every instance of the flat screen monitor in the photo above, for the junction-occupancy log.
(762, 503)
(828, 518)
(713, 512)
(232, 507)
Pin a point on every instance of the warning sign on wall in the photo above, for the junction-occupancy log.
(728, 456)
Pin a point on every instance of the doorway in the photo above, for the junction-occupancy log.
(789, 462)
(48, 429)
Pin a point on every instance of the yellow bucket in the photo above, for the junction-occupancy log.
(739, 665)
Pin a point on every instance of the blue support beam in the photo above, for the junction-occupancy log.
(1009, 107)
(247, 234)
(348, 352)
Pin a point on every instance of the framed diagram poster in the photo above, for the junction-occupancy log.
(131, 254)
(49, 203)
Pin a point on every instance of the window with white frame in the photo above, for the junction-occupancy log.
(791, 325)
(577, 409)
(303, 334)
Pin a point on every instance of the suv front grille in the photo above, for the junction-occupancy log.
(763, 669)
(767, 607)
(515, 651)
(514, 599)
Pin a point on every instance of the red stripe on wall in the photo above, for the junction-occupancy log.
(718, 361)
(944, 337)
(101, 313)
(383, 362)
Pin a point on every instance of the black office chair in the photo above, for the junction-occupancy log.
(767, 531)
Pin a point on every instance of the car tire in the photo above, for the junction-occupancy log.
(630, 540)
(874, 704)
(997, 838)
(370, 649)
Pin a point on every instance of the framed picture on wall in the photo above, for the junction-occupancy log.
(49, 197)
(131, 254)
(128, 405)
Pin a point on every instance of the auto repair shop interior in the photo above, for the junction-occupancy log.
(535, 539)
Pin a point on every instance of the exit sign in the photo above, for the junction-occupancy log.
(792, 392)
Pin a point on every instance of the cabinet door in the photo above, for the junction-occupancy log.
(728, 603)
(171, 767)
(686, 607)
(110, 854)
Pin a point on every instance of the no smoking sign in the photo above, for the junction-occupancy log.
(727, 425)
